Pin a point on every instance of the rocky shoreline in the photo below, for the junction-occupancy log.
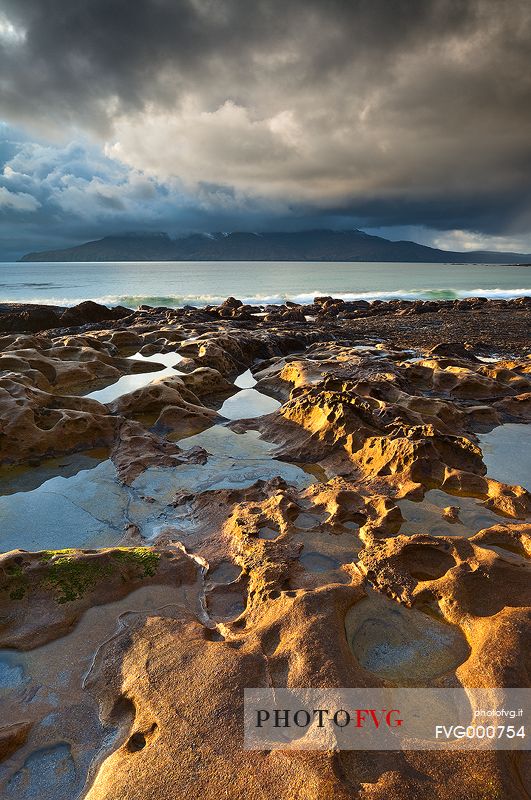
(500, 323)
(285, 494)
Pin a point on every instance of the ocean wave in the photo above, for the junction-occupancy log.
(305, 298)
(493, 294)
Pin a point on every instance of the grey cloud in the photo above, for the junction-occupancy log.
(17, 201)
(56, 196)
(411, 112)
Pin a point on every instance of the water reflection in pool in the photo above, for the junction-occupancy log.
(245, 380)
(93, 509)
(129, 383)
(24, 478)
(404, 646)
(507, 453)
(168, 359)
(247, 404)
(426, 516)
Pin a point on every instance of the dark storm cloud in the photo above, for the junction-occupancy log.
(57, 196)
(75, 57)
(411, 112)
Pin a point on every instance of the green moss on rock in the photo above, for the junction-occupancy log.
(47, 555)
(70, 573)
(18, 592)
(17, 584)
(142, 557)
(72, 576)
(14, 570)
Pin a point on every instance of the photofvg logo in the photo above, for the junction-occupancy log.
(387, 719)
(340, 718)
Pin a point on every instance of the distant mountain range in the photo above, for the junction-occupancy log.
(316, 245)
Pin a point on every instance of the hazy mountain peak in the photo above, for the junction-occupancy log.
(312, 245)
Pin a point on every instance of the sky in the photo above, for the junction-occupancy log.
(410, 119)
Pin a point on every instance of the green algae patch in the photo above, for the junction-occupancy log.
(72, 576)
(142, 557)
(17, 585)
(47, 555)
(71, 573)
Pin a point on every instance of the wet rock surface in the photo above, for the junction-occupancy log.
(196, 501)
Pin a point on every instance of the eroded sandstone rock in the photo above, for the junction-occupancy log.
(43, 594)
(279, 582)
(36, 423)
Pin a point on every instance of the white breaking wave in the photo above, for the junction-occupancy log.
(500, 294)
(306, 298)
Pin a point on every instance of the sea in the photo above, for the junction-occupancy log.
(199, 283)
